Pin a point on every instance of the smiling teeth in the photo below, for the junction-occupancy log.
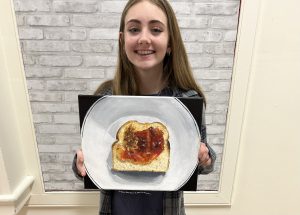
(145, 52)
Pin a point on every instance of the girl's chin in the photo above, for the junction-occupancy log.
(144, 63)
(147, 66)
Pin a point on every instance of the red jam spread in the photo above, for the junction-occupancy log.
(142, 147)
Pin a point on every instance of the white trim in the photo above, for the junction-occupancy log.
(19, 197)
(65, 199)
(16, 98)
(4, 185)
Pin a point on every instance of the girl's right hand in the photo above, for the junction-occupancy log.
(79, 163)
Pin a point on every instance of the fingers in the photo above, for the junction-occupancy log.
(205, 161)
(203, 155)
(79, 163)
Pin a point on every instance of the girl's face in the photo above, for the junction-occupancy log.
(146, 36)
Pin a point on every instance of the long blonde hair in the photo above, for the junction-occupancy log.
(177, 70)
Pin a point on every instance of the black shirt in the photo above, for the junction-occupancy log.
(137, 203)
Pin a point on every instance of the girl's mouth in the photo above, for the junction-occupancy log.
(144, 52)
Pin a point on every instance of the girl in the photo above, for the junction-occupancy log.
(151, 61)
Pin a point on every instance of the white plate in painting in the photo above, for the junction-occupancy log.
(102, 122)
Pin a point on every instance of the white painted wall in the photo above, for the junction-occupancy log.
(267, 176)
(268, 169)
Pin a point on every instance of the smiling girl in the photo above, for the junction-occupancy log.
(151, 61)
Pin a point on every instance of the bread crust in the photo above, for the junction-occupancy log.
(158, 164)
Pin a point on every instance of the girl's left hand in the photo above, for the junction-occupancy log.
(203, 155)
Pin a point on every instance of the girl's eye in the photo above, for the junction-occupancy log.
(156, 30)
(133, 30)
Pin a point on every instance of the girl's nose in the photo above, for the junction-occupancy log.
(144, 38)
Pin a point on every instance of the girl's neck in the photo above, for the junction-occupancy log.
(150, 82)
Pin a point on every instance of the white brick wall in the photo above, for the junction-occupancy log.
(69, 48)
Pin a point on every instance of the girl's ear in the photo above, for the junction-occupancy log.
(121, 35)
(169, 50)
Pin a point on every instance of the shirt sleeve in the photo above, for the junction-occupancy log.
(74, 168)
(211, 152)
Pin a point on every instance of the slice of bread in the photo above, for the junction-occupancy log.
(142, 147)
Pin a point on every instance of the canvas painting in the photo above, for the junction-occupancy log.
(140, 142)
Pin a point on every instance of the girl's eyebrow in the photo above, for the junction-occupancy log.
(151, 21)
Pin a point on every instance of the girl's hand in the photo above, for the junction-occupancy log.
(79, 163)
(203, 156)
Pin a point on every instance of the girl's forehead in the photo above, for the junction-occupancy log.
(145, 11)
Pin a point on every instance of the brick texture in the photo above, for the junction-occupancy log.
(70, 47)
